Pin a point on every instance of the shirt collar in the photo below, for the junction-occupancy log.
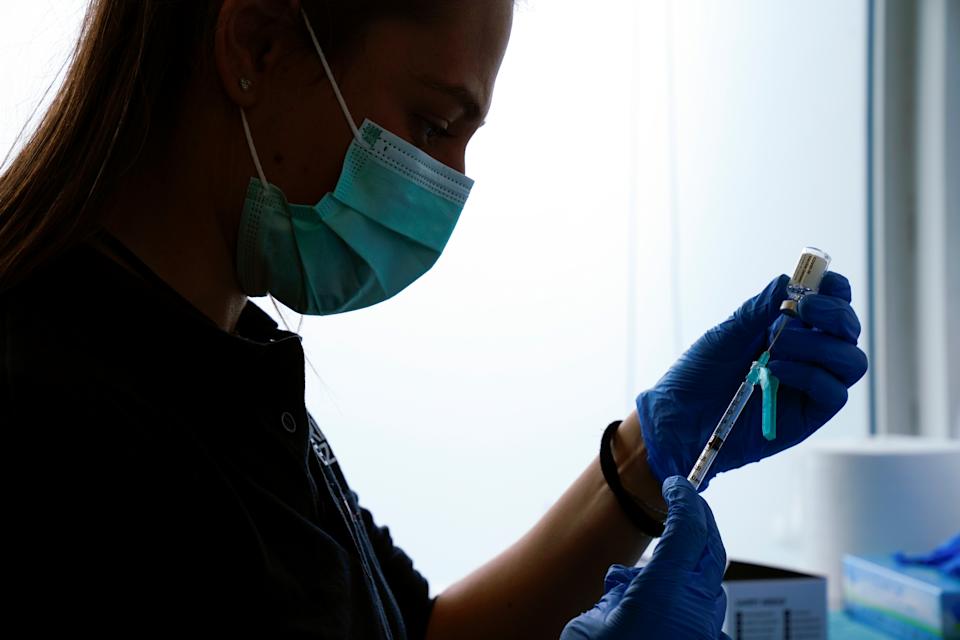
(253, 325)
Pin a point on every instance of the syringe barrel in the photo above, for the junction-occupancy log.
(710, 450)
(806, 279)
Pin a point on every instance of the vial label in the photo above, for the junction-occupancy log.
(809, 272)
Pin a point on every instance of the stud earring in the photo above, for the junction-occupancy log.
(245, 84)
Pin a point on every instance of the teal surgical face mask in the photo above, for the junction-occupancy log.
(385, 224)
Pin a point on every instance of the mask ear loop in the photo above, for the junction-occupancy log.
(336, 92)
(253, 149)
(256, 157)
(268, 186)
(333, 81)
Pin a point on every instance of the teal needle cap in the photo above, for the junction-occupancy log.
(769, 385)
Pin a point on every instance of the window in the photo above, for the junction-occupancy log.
(915, 216)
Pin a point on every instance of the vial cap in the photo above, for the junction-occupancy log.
(789, 307)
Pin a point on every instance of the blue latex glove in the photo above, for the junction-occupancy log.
(678, 594)
(816, 360)
(946, 557)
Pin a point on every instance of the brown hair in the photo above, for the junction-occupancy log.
(130, 67)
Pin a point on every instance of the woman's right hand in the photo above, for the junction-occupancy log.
(678, 594)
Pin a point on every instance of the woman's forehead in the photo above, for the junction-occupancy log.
(459, 53)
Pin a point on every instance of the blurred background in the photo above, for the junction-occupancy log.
(646, 167)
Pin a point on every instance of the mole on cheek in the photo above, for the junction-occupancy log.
(278, 159)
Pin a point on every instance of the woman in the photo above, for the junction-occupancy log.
(167, 475)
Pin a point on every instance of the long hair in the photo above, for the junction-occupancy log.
(129, 70)
(95, 126)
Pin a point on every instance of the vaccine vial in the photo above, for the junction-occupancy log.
(806, 278)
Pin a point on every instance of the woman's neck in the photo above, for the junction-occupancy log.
(176, 214)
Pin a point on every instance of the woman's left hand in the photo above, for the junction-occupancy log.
(678, 594)
(816, 359)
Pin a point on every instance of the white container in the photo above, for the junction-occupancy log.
(769, 603)
(877, 496)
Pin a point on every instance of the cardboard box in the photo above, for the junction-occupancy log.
(767, 603)
(904, 601)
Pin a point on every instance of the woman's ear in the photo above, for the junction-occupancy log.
(251, 36)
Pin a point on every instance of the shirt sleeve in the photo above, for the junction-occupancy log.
(409, 587)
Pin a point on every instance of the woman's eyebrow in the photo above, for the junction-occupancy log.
(467, 98)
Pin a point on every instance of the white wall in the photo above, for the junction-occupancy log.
(620, 210)
(463, 408)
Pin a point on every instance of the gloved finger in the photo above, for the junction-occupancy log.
(836, 285)
(619, 574)
(713, 563)
(952, 567)
(951, 546)
(586, 625)
(918, 558)
(825, 391)
(685, 533)
(792, 323)
(759, 312)
(846, 362)
(578, 629)
(611, 599)
(831, 315)
(946, 551)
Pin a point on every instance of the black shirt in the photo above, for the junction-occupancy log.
(163, 475)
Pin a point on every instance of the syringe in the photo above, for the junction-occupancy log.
(806, 279)
(740, 398)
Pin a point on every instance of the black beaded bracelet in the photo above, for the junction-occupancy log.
(646, 523)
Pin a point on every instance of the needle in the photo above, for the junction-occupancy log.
(777, 336)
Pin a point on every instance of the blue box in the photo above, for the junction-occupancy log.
(904, 601)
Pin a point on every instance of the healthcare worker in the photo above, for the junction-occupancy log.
(163, 474)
